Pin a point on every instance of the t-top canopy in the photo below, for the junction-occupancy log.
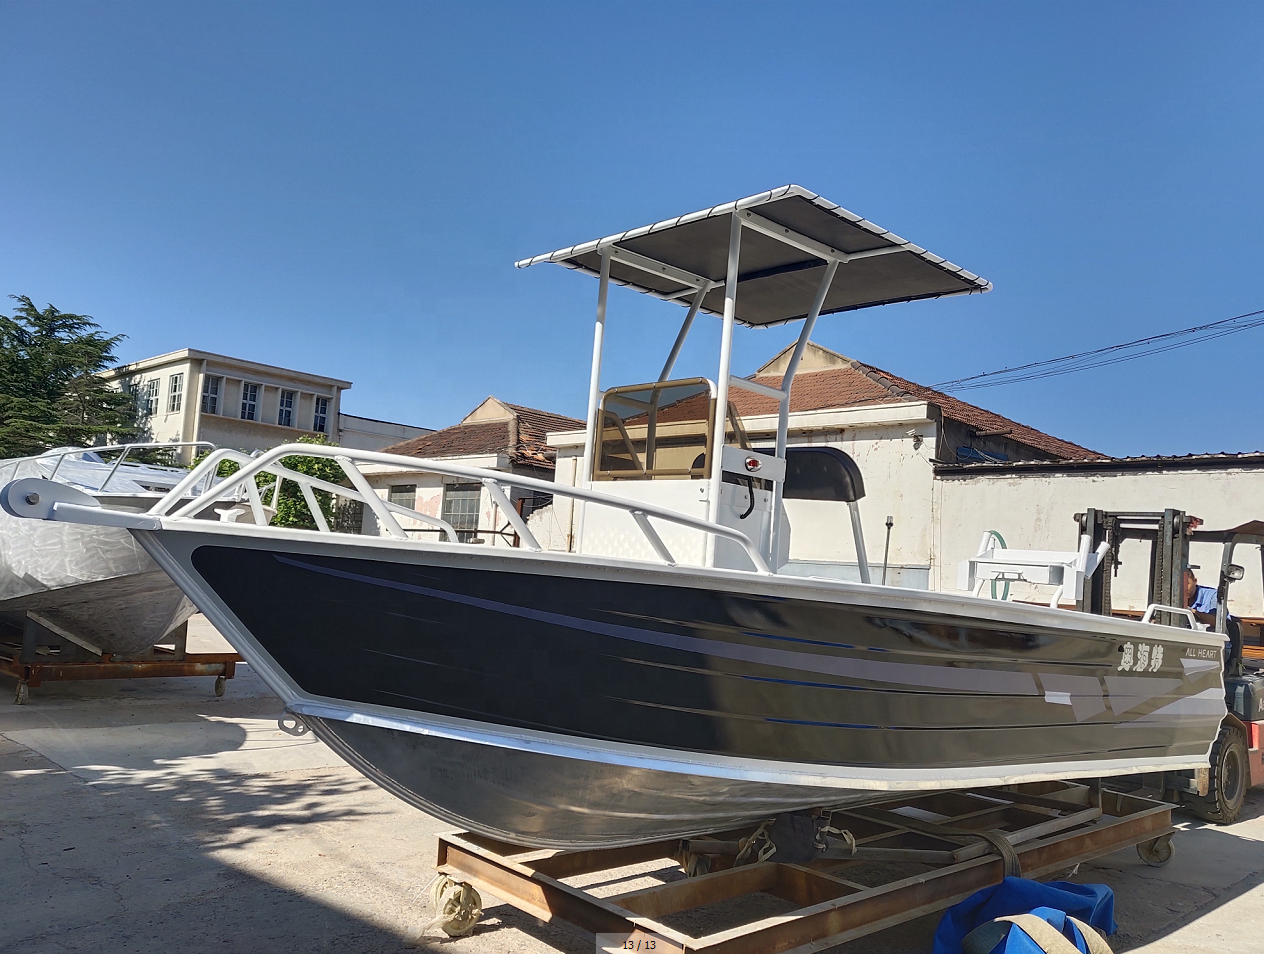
(789, 237)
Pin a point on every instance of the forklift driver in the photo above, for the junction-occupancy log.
(1203, 601)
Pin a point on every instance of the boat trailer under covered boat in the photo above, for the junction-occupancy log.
(665, 680)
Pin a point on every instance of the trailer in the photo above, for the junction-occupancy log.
(761, 890)
(36, 654)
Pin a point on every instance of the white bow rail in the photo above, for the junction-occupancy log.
(125, 449)
(241, 487)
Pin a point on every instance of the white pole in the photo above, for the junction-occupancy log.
(684, 332)
(862, 556)
(594, 393)
(783, 412)
(722, 384)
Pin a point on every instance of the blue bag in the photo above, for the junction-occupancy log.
(1092, 903)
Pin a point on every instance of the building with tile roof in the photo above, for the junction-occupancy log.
(828, 380)
(494, 428)
(495, 435)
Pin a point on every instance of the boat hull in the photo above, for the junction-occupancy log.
(95, 583)
(558, 701)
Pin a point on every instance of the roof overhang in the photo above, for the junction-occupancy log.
(790, 236)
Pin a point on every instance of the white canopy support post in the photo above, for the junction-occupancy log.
(783, 409)
(684, 331)
(594, 394)
(722, 382)
(862, 558)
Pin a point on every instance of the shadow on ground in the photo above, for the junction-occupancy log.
(152, 841)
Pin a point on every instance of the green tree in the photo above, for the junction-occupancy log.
(292, 509)
(51, 392)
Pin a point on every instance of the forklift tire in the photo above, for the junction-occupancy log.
(1227, 781)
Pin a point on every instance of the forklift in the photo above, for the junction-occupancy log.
(1217, 793)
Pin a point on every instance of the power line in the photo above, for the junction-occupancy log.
(1102, 357)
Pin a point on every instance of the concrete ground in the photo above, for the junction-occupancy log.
(149, 816)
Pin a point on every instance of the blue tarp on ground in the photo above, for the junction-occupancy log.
(1093, 903)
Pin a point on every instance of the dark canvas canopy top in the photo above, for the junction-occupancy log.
(792, 234)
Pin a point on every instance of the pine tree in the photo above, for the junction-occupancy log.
(51, 392)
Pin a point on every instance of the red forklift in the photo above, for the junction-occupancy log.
(1217, 793)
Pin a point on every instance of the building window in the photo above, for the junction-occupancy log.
(285, 409)
(460, 508)
(533, 501)
(249, 401)
(320, 416)
(175, 393)
(145, 394)
(403, 495)
(210, 394)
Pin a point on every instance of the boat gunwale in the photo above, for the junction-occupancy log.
(978, 610)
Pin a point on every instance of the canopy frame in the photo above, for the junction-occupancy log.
(695, 287)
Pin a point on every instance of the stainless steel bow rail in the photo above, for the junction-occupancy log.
(244, 497)
(903, 858)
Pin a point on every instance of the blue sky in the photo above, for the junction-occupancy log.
(343, 188)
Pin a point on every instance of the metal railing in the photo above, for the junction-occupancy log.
(242, 487)
(124, 449)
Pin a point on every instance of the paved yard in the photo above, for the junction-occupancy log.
(149, 816)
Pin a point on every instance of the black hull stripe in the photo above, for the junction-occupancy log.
(994, 681)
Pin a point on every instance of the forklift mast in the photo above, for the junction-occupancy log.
(1236, 760)
(1168, 533)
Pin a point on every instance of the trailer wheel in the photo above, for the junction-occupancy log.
(22, 694)
(1157, 853)
(1226, 793)
(220, 683)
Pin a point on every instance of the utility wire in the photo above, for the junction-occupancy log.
(1102, 357)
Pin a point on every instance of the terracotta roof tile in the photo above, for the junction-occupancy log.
(860, 384)
(460, 440)
(533, 426)
(522, 437)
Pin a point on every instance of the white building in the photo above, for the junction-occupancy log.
(495, 435)
(895, 430)
(945, 471)
(191, 395)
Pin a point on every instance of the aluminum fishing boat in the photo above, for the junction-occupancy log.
(664, 678)
(94, 586)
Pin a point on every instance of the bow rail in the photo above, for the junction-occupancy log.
(242, 487)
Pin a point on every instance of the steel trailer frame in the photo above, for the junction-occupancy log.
(21, 659)
(1049, 826)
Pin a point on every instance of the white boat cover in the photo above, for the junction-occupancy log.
(777, 281)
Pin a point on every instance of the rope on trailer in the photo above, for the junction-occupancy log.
(997, 839)
(822, 835)
(457, 905)
(766, 850)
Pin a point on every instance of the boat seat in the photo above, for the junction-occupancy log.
(1065, 569)
(822, 473)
